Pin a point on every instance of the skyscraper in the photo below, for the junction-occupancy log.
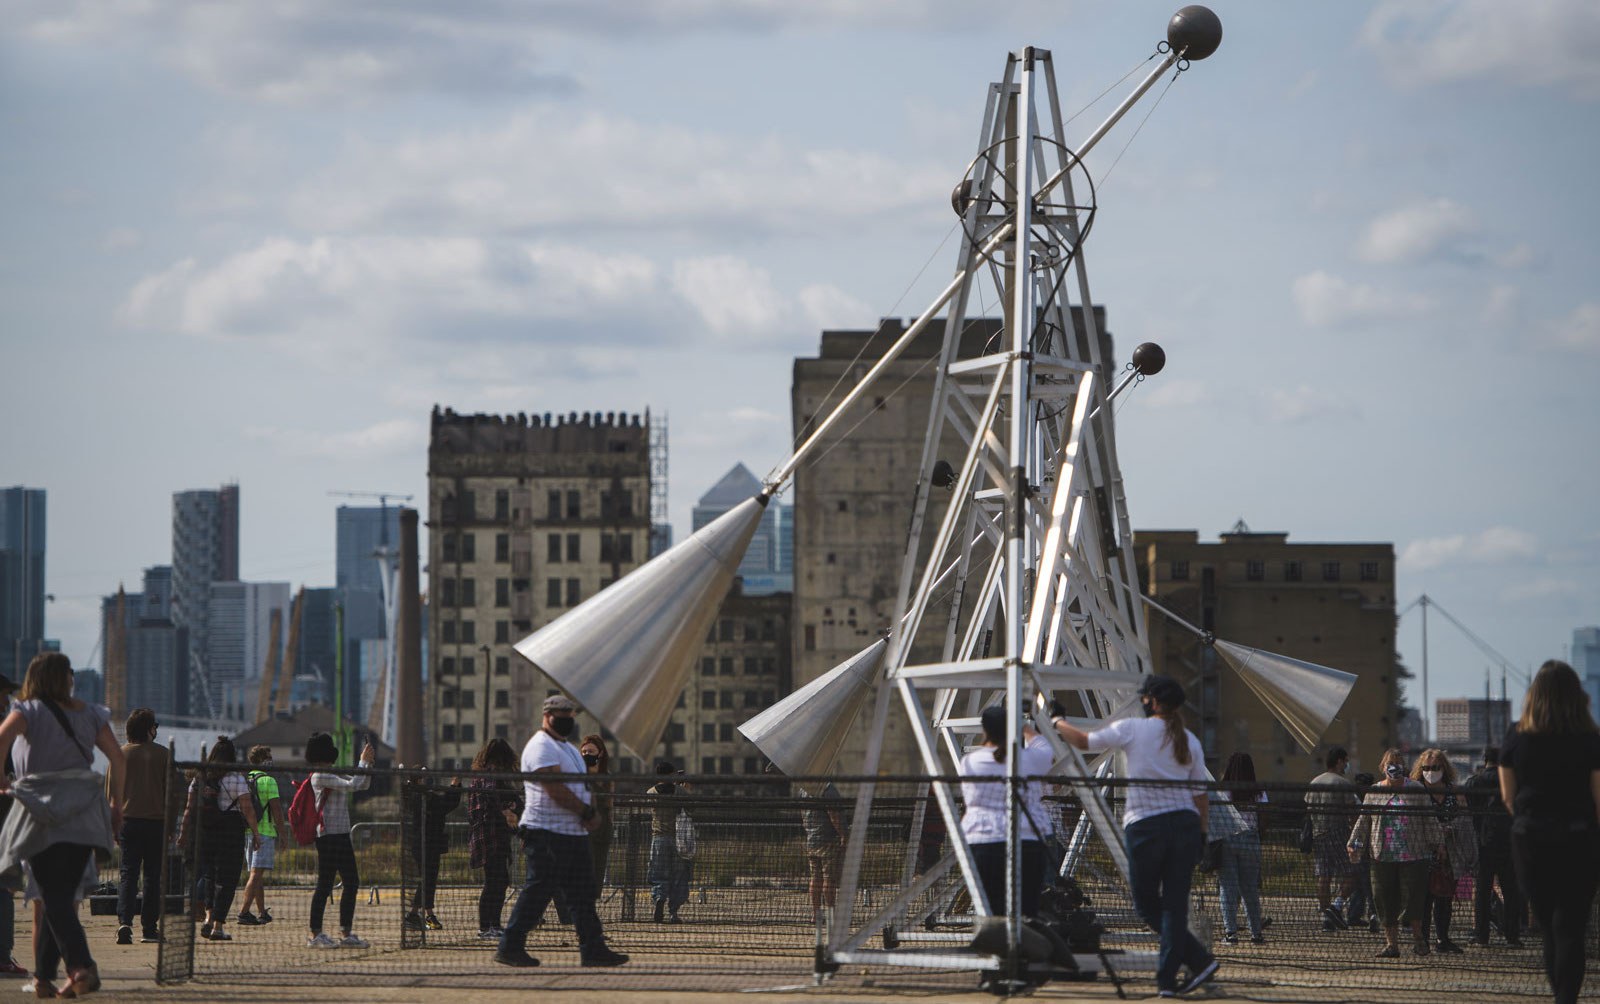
(21, 577)
(768, 565)
(156, 650)
(205, 549)
(239, 622)
(1586, 660)
(361, 534)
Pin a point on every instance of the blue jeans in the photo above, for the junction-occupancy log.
(1239, 877)
(555, 861)
(142, 851)
(667, 873)
(1162, 853)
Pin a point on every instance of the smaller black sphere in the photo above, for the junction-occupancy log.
(1194, 32)
(1149, 358)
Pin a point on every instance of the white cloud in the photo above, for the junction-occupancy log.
(1543, 588)
(1177, 393)
(1503, 305)
(731, 295)
(1326, 300)
(1495, 545)
(395, 437)
(1415, 232)
(1532, 43)
(1579, 330)
(1307, 404)
(827, 306)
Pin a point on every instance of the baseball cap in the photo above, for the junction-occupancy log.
(1163, 689)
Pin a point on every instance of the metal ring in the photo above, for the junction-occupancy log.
(1163, 47)
(1183, 64)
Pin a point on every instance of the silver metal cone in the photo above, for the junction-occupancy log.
(802, 733)
(1303, 695)
(625, 654)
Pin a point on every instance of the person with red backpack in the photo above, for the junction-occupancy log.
(335, 854)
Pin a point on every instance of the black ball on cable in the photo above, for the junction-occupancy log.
(1194, 32)
(1149, 358)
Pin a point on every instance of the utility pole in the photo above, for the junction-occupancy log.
(1425, 603)
(488, 685)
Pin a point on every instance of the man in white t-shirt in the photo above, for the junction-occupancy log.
(557, 818)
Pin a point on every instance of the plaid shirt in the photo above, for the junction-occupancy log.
(488, 836)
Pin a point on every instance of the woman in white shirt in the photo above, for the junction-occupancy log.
(984, 820)
(224, 834)
(1165, 825)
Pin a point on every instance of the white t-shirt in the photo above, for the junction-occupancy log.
(539, 811)
(230, 789)
(1251, 820)
(984, 821)
(1144, 742)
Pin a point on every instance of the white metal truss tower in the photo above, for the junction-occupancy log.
(1026, 586)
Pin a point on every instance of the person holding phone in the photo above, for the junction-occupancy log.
(336, 856)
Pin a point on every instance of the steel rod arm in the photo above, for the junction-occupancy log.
(1115, 116)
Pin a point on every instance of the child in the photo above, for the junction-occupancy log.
(334, 852)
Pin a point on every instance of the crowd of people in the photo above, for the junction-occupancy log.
(1387, 851)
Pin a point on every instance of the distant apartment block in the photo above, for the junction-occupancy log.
(1327, 603)
(239, 619)
(1474, 722)
(205, 549)
(22, 594)
(155, 651)
(1586, 660)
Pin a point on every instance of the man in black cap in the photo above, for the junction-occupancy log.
(668, 871)
(557, 818)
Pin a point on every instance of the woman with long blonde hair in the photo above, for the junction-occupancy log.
(1401, 834)
(1550, 782)
(1456, 855)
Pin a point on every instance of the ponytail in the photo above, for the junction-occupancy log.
(1177, 735)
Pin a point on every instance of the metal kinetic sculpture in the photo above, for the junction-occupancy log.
(1024, 585)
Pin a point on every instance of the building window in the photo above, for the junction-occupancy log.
(1255, 571)
(502, 698)
(725, 764)
(502, 548)
(573, 595)
(752, 699)
(726, 732)
(708, 666)
(502, 666)
(553, 548)
(752, 665)
(469, 666)
(725, 630)
(624, 547)
(1292, 571)
(1180, 571)
(447, 698)
(468, 732)
(502, 592)
(469, 548)
(502, 632)
(502, 732)
(448, 546)
(469, 592)
(1330, 571)
(708, 699)
(683, 701)
(447, 593)
(552, 597)
(708, 765)
(469, 635)
(447, 632)
(502, 505)
(726, 700)
(574, 505)
(608, 550)
(708, 733)
(447, 665)
(1369, 571)
(675, 732)
(751, 765)
(811, 637)
(553, 512)
(725, 665)
(469, 699)
(467, 510)
(573, 541)
(447, 733)
(769, 630)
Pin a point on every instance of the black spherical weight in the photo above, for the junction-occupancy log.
(1149, 358)
(1194, 32)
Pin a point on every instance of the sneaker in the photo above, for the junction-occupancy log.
(1477, 942)
(433, 923)
(488, 934)
(414, 922)
(205, 929)
(266, 916)
(661, 908)
(674, 919)
(1331, 915)
(604, 957)
(321, 941)
(1166, 993)
(218, 934)
(1421, 948)
(1389, 952)
(1258, 939)
(147, 938)
(10, 968)
(248, 919)
(1201, 978)
(1328, 925)
(1512, 941)
(1373, 926)
(1231, 938)
(351, 941)
(125, 934)
(519, 961)
(1449, 947)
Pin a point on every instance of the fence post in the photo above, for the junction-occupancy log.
(630, 872)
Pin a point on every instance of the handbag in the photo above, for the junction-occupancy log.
(1308, 836)
(1441, 881)
(1211, 857)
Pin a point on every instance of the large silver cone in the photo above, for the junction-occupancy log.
(625, 654)
(1303, 695)
(802, 733)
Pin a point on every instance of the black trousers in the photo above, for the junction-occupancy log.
(428, 865)
(1436, 912)
(496, 880)
(335, 856)
(557, 862)
(142, 851)
(1495, 863)
(1559, 872)
(58, 871)
(221, 858)
(991, 862)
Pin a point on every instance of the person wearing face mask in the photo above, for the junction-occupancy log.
(494, 806)
(668, 872)
(1165, 824)
(427, 806)
(557, 818)
(1456, 856)
(1400, 832)
(597, 758)
(1332, 805)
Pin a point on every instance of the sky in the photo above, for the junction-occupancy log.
(258, 242)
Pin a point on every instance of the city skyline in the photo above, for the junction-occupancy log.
(1380, 326)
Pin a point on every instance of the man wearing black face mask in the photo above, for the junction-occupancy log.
(557, 819)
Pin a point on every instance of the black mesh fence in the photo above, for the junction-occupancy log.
(731, 884)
